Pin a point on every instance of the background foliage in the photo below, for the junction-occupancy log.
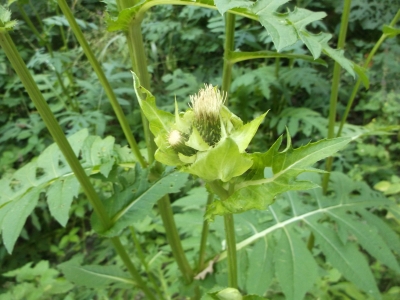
(358, 220)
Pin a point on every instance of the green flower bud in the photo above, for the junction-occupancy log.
(206, 106)
(177, 139)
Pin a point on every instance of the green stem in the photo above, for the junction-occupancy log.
(58, 135)
(103, 80)
(365, 65)
(231, 250)
(164, 207)
(335, 89)
(144, 262)
(229, 235)
(228, 49)
(203, 240)
(139, 64)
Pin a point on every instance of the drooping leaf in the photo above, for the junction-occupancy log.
(296, 268)
(135, 202)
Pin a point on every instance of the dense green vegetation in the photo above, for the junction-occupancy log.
(108, 217)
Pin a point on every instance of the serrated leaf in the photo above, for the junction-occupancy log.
(223, 162)
(369, 239)
(296, 269)
(94, 276)
(346, 258)
(59, 198)
(390, 237)
(136, 201)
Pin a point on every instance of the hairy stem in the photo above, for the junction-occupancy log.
(103, 80)
(335, 89)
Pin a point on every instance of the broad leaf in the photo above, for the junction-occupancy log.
(296, 268)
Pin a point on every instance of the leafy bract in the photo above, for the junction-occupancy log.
(134, 202)
(273, 173)
(222, 162)
(51, 174)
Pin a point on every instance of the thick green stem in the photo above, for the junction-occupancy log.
(58, 135)
(203, 240)
(229, 234)
(103, 80)
(164, 207)
(365, 65)
(231, 250)
(228, 49)
(335, 89)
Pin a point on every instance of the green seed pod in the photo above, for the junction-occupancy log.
(206, 107)
(177, 139)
